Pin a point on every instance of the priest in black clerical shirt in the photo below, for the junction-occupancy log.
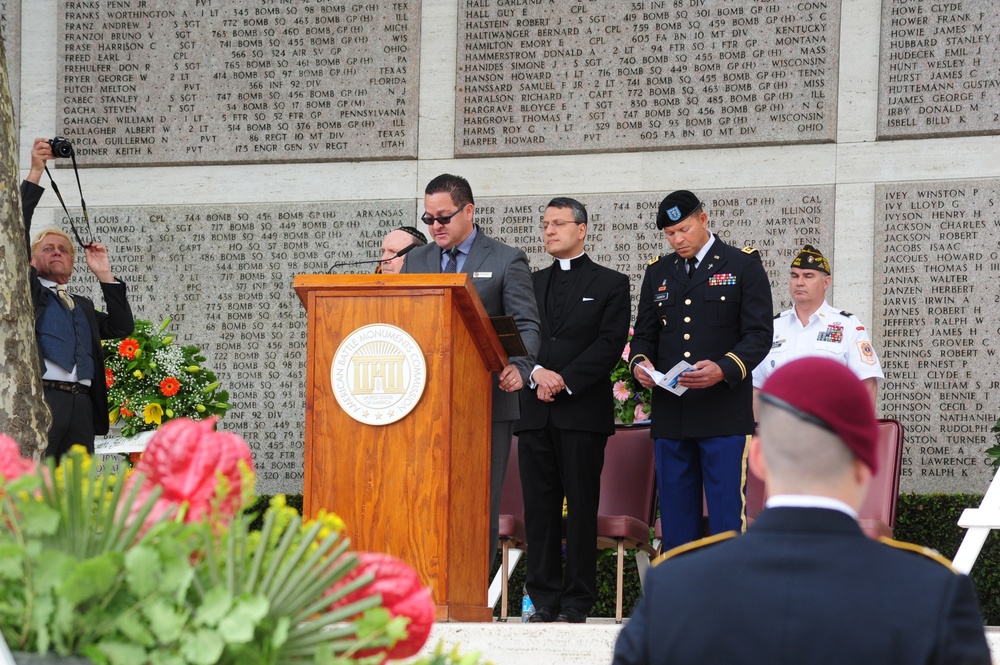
(567, 414)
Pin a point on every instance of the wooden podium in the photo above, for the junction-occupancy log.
(417, 488)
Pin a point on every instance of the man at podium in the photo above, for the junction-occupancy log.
(502, 278)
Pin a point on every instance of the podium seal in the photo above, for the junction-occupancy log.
(378, 374)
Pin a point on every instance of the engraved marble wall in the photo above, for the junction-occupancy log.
(536, 77)
(937, 324)
(209, 81)
(939, 69)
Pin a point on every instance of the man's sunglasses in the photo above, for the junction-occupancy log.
(428, 220)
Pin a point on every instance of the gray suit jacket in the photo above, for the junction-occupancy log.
(501, 277)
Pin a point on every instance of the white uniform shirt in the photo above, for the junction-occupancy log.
(829, 333)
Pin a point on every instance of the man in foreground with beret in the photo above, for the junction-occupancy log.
(804, 584)
(813, 328)
(708, 304)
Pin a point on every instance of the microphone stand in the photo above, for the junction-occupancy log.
(402, 252)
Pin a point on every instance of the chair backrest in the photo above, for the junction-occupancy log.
(628, 481)
(883, 494)
(755, 492)
(511, 499)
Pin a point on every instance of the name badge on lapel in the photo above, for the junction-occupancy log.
(482, 275)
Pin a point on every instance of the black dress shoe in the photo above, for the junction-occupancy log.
(571, 615)
(543, 615)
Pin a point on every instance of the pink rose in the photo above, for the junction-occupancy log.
(12, 464)
(640, 413)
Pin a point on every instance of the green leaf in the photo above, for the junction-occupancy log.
(372, 621)
(38, 519)
(215, 605)
(239, 625)
(12, 562)
(92, 578)
(41, 617)
(120, 653)
(167, 622)
(202, 647)
(132, 627)
(142, 565)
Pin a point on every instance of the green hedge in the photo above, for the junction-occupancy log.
(932, 520)
(926, 519)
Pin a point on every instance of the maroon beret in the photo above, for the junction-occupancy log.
(827, 394)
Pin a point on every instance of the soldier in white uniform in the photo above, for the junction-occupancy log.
(813, 328)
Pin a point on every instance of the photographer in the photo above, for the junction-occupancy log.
(68, 329)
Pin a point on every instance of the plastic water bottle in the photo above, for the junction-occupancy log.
(527, 607)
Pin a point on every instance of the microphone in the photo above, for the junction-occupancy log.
(402, 252)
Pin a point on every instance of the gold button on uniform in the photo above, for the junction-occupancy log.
(688, 301)
(687, 336)
(687, 354)
(722, 298)
(687, 319)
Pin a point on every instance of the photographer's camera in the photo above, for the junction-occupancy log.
(61, 147)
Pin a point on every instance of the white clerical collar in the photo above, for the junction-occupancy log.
(565, 264)
(47, 283)
(810, 501)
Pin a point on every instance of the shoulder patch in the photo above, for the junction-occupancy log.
(749, 250)
(693, 545)
(654, 260)
(918, 549)
(846, 314)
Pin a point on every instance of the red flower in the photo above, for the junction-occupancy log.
(127, 348)
(109, 377)
(189, 460)
(402, 594)
(12, 465)
(169, 386)
(125, 411)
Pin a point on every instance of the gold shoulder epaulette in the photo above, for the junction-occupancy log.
(919, 549)
(749, 250)
(846, 314)
(654, 260)
(693, 545)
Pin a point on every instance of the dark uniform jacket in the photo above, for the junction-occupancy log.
(722, 313)
(583, 347)
(804, 585)
(117, 322)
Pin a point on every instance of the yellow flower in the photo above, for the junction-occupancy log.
(153, 413)
(331, 523)
(137, 374)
